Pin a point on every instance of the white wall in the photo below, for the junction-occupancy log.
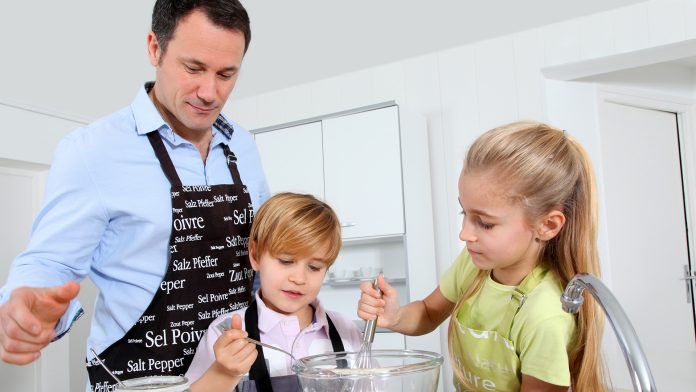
(29, 135)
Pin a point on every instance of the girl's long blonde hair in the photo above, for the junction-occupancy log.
(543, 169)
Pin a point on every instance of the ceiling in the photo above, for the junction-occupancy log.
(86, 58)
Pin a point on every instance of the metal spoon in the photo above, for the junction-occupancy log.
(250, 340)
(106, 368)
(227, 323)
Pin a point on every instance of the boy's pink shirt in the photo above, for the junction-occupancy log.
(280, 330)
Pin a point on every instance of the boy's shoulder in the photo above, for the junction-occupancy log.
(340, 321)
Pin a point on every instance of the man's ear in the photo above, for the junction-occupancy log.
(253, 257)
(550, 225)
(154, 51)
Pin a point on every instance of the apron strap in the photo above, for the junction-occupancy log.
(168, 165)
(232, 164)
(336, 341)
(518, 297)
(259, 371)
(163, 157)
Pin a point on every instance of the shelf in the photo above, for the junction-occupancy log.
(357, 281)
(373, 240)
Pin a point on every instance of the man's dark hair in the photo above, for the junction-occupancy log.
(229, 14)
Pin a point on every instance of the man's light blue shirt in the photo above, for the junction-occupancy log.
(107, 212)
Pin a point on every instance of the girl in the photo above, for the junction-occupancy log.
(528, 200)
(294, 240)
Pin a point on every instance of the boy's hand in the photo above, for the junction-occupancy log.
(383, 304)
(232, 352)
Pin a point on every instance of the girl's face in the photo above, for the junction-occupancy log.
(497, 233)
(289, 283)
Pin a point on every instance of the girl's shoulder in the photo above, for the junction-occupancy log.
(544, 303)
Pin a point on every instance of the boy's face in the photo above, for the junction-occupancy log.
(290, 283)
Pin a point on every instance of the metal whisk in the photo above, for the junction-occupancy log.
(364, 357)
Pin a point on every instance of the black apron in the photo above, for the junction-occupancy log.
(259, 378)
(208, 274)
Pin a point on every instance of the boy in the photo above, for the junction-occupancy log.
(294, 240)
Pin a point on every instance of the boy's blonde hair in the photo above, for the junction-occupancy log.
(295, 224)
(542, 169)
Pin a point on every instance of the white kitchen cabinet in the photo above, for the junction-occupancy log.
(376, 175)
(352, 161)
(293, 159)
(362, 169)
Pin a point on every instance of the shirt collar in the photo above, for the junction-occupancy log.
(269, 319)
(148, 118)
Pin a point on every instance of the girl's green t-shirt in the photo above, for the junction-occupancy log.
(542, 332)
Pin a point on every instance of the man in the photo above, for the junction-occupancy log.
(153, 202)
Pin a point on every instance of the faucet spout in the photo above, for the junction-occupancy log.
(637, 363)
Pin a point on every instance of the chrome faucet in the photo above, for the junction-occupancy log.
(628, 340)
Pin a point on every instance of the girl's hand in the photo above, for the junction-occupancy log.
(233, 354)
(383, 304)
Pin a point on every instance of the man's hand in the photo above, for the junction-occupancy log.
(28, 320)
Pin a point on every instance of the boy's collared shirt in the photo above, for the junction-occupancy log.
(284, 332)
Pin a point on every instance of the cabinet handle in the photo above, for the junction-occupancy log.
(348, 224)
(688, 277)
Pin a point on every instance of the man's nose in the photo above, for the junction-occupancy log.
(207, 89)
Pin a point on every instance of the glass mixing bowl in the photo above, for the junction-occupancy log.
(154, 384)
(391, 370)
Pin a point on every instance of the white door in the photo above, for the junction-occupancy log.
(362, 171)
(647, 242)
(20, 192)
(292, 159)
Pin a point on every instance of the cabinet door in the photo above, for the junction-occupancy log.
(292, 159)
(362, 172)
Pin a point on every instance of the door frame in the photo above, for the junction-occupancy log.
(685, 110)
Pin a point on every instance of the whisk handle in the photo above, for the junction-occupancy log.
(371, 325)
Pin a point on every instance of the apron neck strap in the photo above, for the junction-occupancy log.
(258, 371)
(336, 342)
(168, 167)
(163, 157)
(518, 298)
(232, 164)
